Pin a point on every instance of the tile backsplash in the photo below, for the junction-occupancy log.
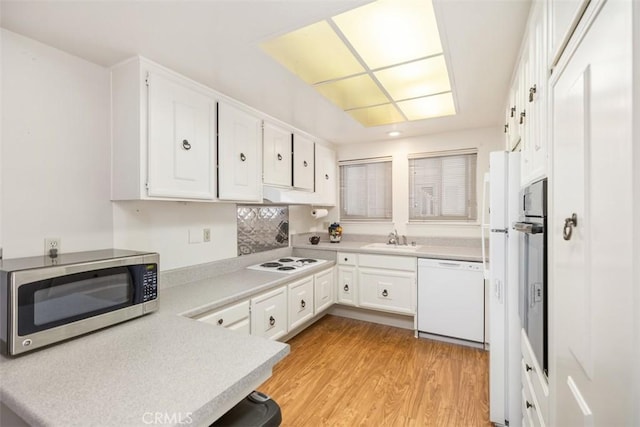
(262, 228)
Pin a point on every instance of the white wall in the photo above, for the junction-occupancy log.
(485, 140)
(55, 150)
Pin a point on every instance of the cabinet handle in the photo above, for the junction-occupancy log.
(346, 288)
(305, 163)
(272, 321)
(529, 405)
(532, 91)
(243, 157)
(385, 293)
(506, 128)
(522, 116)
(527, 367)
(569, 223)
(279, 156)
(326, 176)
(220, 321)
(186, 145)
(513, 111)
(303, 304)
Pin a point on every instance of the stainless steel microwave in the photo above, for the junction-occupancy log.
(45, 300)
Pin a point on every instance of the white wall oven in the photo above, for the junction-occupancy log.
(533, 272)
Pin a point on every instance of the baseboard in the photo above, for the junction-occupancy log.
(380, 317)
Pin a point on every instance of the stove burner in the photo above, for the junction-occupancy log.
(271, 264)
(286, 268)
(285, 260)
(307, 261)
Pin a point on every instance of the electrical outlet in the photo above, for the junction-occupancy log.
(206, 234)
(51, 243)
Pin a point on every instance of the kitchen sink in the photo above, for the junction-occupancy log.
(390, 248)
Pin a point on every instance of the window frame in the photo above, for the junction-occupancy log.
(471, 179)
(389, 183)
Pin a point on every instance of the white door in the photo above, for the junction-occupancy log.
(592, 279)
(239, 154)
(303, 163)
(181, 140)
(277, 156)
(325, 176)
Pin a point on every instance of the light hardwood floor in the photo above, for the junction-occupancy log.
(344, 372)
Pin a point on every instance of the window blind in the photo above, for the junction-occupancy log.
(365, 190)
(442, 187)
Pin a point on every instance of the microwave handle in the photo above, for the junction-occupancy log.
(527, 227)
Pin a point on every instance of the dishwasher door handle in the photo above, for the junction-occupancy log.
(449, 264)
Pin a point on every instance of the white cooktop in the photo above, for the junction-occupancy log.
(287, 265)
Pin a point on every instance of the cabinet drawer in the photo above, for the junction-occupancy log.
(228, 316)
(347, 258)
(537, 378)
(300, 302)
(269, 314)
(388, 262)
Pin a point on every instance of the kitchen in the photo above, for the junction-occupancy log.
(56, 146)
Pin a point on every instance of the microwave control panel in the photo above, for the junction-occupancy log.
(150, 283)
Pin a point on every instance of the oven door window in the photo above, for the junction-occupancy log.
(53, 302)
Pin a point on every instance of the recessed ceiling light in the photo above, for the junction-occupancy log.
(394, 133)
(381, 63)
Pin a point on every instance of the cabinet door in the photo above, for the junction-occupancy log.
(593, 280)
(239, 154)
(303, 163)
(324, 285)
(347, 285)
(326, 176)
(301, 302)
(387, 290)
(181, 157)
(277, 156)
(269, 314)
(514, 116)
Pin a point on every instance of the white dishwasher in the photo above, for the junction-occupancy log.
(451, 299)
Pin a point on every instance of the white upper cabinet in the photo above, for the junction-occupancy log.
(564, 16)
(163, 139)
(303, 163)
(276, 156)
(326, 183)
(239, 154)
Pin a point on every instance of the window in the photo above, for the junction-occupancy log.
(365, 189)
(442, 186)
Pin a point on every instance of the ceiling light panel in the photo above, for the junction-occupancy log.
(353, 92)
(377, 116)
(314, 53)
(389, 32)
(415, 79)
(428, 107)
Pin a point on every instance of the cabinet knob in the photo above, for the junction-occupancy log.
(346, 259)
(532, 91)
(529, 405)
(303, 304)
(326, 176)
(346, 288)
(186, 145)
(522, 116)
(279, 156)
(243, 157)
(527, 367)
(305, 163)
(272, 320)
(220, 321)
(385, 293)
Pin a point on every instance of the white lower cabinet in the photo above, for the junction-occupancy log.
(234, 317)
(535, 389)
(269, 314)
(324, 285)
(301, 301)
(387, 283)
(347, 285)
